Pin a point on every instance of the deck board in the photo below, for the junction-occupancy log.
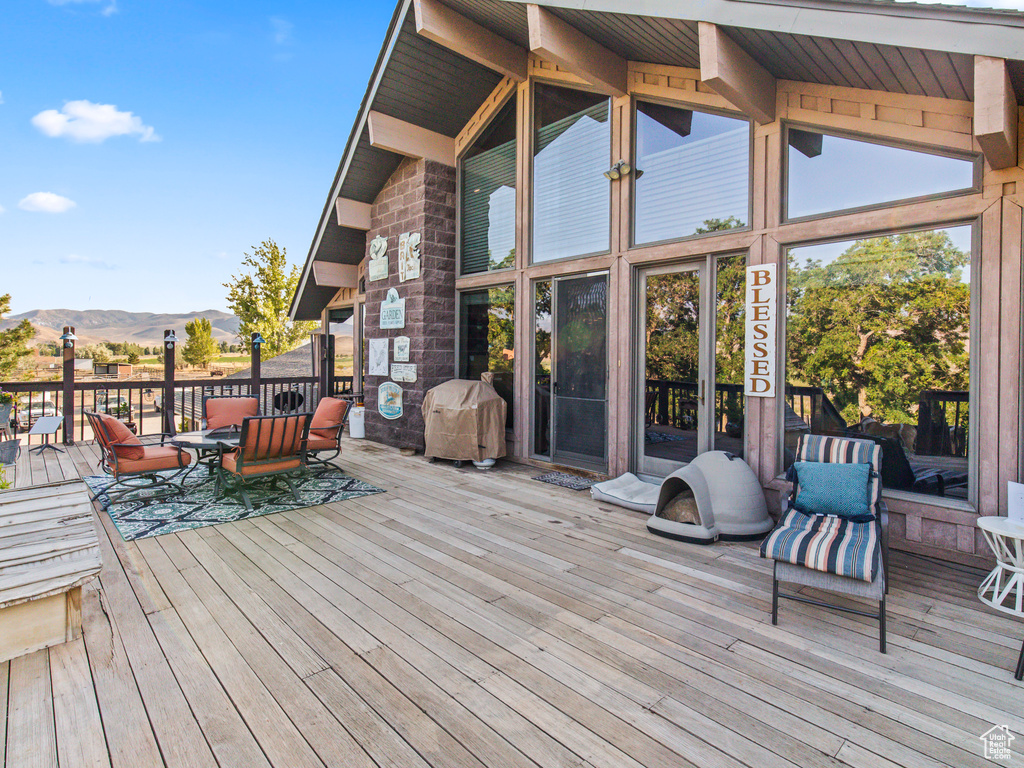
(482, 619)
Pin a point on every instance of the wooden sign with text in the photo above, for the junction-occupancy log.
(759, 371)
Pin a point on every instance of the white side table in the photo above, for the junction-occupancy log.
(1003, 589)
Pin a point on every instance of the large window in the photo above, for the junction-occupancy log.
(487, 339)
(487, 203)
(340, 326)
(571, 152)
(828, 173)
(692, 173)
(878, 347)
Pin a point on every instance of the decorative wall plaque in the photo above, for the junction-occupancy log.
(378, 357)
(408, 256)
(403, 372)
(401, 349)
(759, 375)
(389, 400)
(377, 267)
(392, 311)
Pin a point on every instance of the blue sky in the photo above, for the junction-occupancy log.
(239, 114)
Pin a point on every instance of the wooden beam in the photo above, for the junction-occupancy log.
(732, 73)
(454, 31)
(352, 213)
(330, 275)
(410, 140)
(995, 112)
(554, 40)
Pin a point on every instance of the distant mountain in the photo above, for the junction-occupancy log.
(143, 328)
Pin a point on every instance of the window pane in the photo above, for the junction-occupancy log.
(730, 336)
(572, 147)
(340, 327)
(486, 338)
(878, 345)
(488, 197)
(542, 369)
(834, 173)
(692, 174)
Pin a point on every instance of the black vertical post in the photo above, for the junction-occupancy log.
(68, 375)
(168, 404)
(328, 367)
(254, 370)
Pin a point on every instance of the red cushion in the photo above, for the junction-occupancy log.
(228, 411)
(330, 412)
(119, 433)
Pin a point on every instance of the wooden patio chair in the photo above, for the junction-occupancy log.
(325, 431)
(847, 554)
(269, 448)
(128, 459)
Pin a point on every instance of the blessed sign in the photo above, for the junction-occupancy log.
(392, 311)
(759, 374)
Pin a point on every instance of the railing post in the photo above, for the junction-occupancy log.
(68, 376)
(254, 370)
(662, 417)
(328, 390)
(169, 425)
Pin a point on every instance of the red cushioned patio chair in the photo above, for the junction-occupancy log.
(269, 448)
(324, 444)
(127, 459)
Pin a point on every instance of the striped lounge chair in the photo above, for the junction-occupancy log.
(831, 553)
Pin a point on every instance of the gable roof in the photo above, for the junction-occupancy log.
(883, 45)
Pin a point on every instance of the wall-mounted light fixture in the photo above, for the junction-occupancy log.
(69, 339)
(621, 168)
(258, 339)
(170, 340)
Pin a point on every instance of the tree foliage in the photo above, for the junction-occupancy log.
(200, 347)
(887, 319)
(14, 341)
(260, 300)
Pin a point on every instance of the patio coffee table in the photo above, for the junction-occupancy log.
(46, 426)
(1003, 589)
(206, 443)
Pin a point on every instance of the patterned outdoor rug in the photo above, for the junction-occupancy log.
(138, 517)
(565, 480)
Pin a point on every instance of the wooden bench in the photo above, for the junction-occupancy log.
(48, 549)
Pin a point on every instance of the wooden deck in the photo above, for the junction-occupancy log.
(480, 619)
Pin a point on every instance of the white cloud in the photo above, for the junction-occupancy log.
(112, 4)
(87, 261)
(46, 202)
(84, 121)
(2, 209)
(282, 30)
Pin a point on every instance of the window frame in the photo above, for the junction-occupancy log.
(634, 136)
(975, 158)
(530, 131)
(459, 268)
(971, 504)
(514, 285)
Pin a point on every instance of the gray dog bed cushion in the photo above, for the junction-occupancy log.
(628, 491)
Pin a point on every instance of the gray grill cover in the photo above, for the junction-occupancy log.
(464, 420)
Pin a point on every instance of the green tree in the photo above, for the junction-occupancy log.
(14, 341)
(887, 319)
(200, 347)
(260, 300)
(223, 346)
(99, 353)
(133, 357)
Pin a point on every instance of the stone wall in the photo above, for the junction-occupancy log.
(419, 197)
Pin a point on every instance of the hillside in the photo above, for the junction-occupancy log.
(143, 328)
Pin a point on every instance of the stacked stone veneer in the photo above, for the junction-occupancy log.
(419, 197)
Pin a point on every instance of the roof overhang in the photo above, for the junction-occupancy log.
(877, 44)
